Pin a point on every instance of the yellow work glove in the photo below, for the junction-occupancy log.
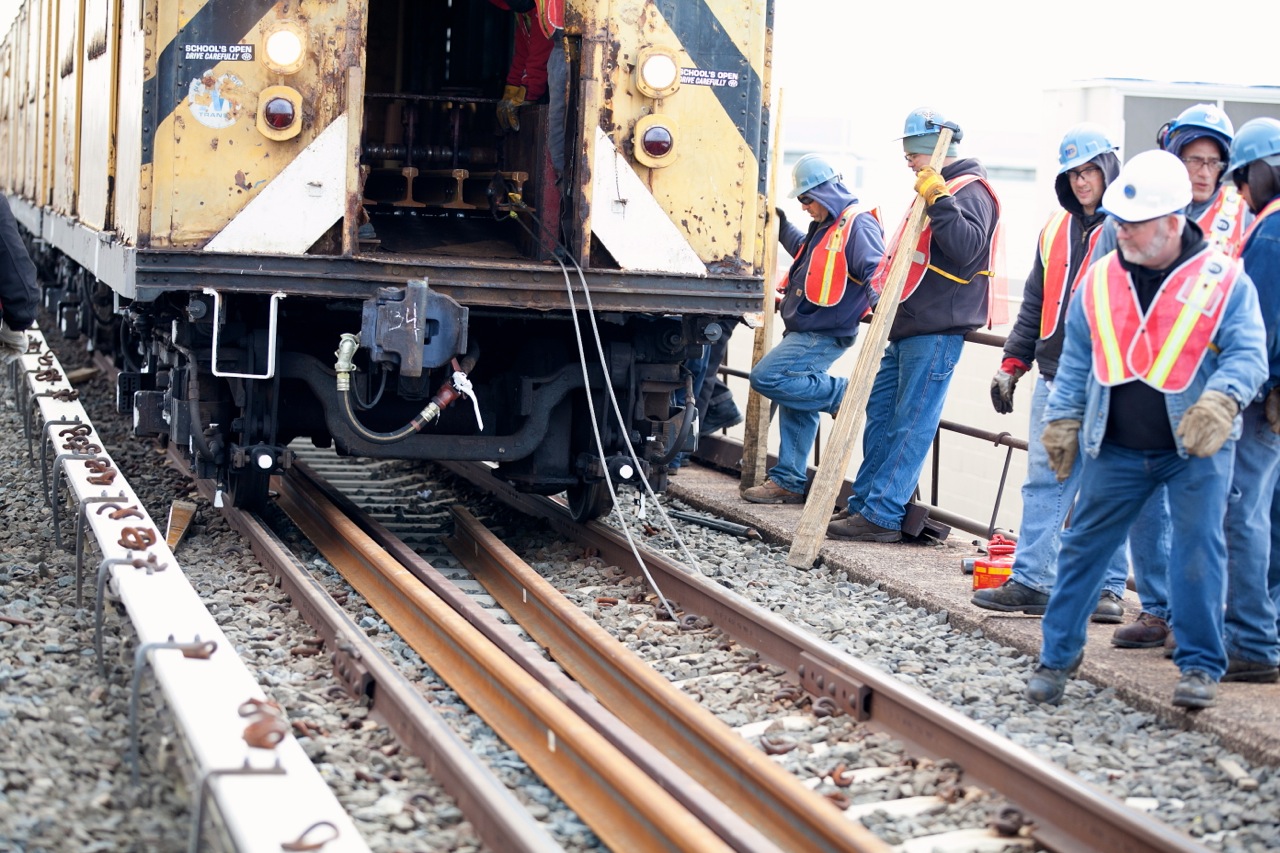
(1206, 425)
(1272, 409)
(930, 185)
(512, 100)
(1061, 440)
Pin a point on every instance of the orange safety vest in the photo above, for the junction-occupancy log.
(1272, 207)
(828, 272)
(551, 16)
(1223, 221)
(1055, 257)
(1164, 348)
(996, 308)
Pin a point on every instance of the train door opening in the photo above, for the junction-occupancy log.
(441, 176)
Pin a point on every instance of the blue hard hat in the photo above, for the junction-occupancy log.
(809, 171)
(1258, 138)
(1202, 120)
(923, 121)
(1081, 144)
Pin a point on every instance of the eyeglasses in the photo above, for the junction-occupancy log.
(1130, 227)
(806, 199)
(1085, 174)
(911, 157)
(1195, 164)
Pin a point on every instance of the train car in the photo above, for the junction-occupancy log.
(303, 219)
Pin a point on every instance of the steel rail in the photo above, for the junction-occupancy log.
(1069, 814)
(497, 816)
(625, 808)
(741, 775)
(728, 824)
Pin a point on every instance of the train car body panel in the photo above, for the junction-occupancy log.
(98, 61)
(241, 188)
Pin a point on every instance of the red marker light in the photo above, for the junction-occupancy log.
(657, 141)
(279, 113)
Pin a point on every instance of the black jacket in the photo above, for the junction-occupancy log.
(19, 296)
(1024, 341)
(963, 226)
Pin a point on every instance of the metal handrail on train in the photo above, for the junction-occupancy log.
(1000, 439)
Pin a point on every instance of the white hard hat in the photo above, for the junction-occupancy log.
(1153, 183)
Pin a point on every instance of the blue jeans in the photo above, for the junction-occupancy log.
(1045, 504)
(902, 417)
(794, 375)
(1250, 626)
(698, 367)
(1113, 488)
(1149, 541)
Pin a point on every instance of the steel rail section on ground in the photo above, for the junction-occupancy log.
(1069, 814)
(263, 797)
(731, 826)
(731, 768)
(624, 807)
(497, 816)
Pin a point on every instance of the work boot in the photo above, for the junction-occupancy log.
(721, 414)
(840, 515)
(770, 492)
(857, 529)
(1148, 631)
(1170, 644)
(1195, 690)
(1109, 610)
(1010, 597)
(1251, 672)
(1048, 685)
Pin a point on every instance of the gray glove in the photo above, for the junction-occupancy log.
(13, 344)
(1002, 385)
(1061, 440)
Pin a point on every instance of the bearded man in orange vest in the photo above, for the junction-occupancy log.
(824, 296)
(1087, 164)
(1165, 346)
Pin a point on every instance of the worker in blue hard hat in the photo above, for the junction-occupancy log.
(824, 296)
(1165, 346)
(1252, 527)
(1087, 163)
(948, 291)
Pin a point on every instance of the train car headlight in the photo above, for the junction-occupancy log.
(657, 73)
(284, 48)
(654, 140)
(279, 113)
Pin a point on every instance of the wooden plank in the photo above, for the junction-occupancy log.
(826, 483)
(755, 442)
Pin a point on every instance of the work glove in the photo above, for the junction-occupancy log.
(13, 343)
(930, 185)
(1206, 425)
(782, 217)
(1061, 440)
(1005, 380)
(512, 100)
(1272, 409)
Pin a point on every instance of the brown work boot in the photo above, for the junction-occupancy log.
(1170, 645)
(859, 529)
(1145, 632)
(840, 515)
(770, 492)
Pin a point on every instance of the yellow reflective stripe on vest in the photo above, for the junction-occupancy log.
(1104, 327)
(835, 248)
(1049, 234)
(1194, 308)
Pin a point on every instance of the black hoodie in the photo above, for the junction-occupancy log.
(1024, 342)
(963, 226)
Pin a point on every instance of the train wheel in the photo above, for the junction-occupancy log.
(588, 501)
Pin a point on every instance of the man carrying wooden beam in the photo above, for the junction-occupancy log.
(824, 296)
(948, 292)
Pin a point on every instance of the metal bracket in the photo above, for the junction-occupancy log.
(197, 823)
(84, 503)
(196, 649)
(273, 316)
(151, 564)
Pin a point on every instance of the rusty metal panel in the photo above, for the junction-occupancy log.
(712, 184)
(204, 148)
(66, 65)
(126, 200)
(97, 111)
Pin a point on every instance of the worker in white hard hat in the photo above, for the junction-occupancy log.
(824, 296)
(1165, 346)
